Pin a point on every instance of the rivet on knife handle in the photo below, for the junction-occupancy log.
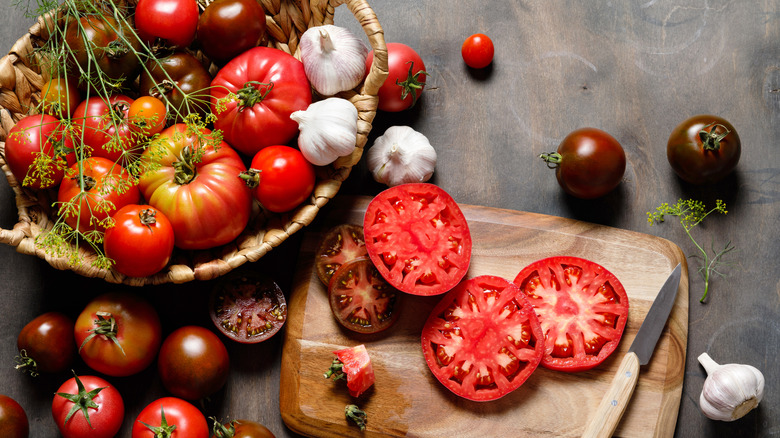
(607, 416)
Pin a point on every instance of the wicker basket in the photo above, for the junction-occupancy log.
(286, 20)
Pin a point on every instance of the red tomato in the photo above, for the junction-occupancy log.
(60, 97)
(170, 417)
(270, 85)
(88, 406)
(361, 300)
(241, 429)
(197, 187)
(341, 244)
(141, 241)
(118, 334)
(193, 363)
(406, 80)
(477, 51)
(247, 307)
(38, 152)
(418, 238)
(104, 126)
(280, 178)
(13, 419)
(355, 363)
(704, 149)
(173, 21)
(146, 115)
(483, 339)
(582, 307)
(105, 190)
(46, 344)
(589, 163)
(227, 28)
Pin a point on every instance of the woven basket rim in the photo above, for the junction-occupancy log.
(20, 81)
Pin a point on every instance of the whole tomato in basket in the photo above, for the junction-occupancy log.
(141, 241)
(46, 344)
(406, 80)
(180, 80)
(197, 187)
(227, 28)
(38, 151)
(253, 96)
(99, 40)
(104, 126)
(173, 22)
(88, 406)
(280, 178)
(704, 149)
(60, 97)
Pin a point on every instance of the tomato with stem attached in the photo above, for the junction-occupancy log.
(46, 344)
(140, 242)
(170, 417)
(193, 363)
(361, 299)
(406, 80)
(13, 419)
(181, 81)
(146, 115)
(341, 244)
(100, 41)
(704, 149)
(88, 406)
(240, 429)
(477, 51)
(280, 178)
(104, 127)
(38, 150)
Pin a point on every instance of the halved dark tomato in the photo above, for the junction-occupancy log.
(361, 300)
(248, 307)
(483, 339)
(341, 244)
(582, 307)
(418, 238)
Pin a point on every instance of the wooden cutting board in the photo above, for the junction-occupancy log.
(407, 400)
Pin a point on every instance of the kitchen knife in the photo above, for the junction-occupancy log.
(607, 416)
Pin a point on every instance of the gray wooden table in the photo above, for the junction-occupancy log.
(634, 69)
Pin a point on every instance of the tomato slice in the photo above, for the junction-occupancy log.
(418, 238)
(361, 299)
(355, 364)
(341, 244)
(582, 307)
(483, 339)
(247, 307)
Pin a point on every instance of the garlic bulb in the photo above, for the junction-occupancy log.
(328, 130)
(401, 155)
(333, 58)
(730, 391)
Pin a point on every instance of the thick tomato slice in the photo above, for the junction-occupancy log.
(483, 339)
(418, 238)
(341, 244)
(361, 299)
(582, 307)
(248, 307)
(355, 364)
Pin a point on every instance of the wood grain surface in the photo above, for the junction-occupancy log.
(632, 68)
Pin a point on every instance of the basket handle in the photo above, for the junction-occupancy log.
(376, 37)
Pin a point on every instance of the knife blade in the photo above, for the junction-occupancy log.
(607, 416)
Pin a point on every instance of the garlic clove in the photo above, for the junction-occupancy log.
(730, 391)
(328, 130)
(333, 58)
(401, 155)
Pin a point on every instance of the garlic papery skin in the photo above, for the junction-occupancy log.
(328, 130)
(730, 391)
(333, 58)
(401, 155)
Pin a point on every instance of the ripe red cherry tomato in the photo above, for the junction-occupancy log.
(104, 126)
(140, 242)
(280, 178)
(477, 51)
(406, 80)
(193, 363)
(174, 21)
(589, 163)
(46, 344)
(704, 149)
(37, 152)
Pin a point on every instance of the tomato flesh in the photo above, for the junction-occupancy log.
(361, 300)
(483, 339)
(358, 368)
(582, 308)
(341, 244)
(418, 238)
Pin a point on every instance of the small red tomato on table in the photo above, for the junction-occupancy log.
(406, 80)
(477, 51)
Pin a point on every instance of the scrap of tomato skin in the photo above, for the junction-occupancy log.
(358, 368)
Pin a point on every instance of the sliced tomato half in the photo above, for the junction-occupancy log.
(582, 307)
(361, 299)
(341, 244)
(483, 339)
(354, 364)
(418, 238)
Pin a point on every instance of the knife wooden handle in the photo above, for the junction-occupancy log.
(607, 416)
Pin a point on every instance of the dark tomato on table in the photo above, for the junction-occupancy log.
(582, 307)
(197, 187)
(98, 40)
(269, 85)
(193, 363)
(483, 339)
(170, 417)
(280, 178)
(118, 334)
(13, 419)
(228, 28)
(361, 299)
(174, 22)
(141, 241)
(88, 201)
(46, 344)
(341, 244)
(418, 238)
(241, 429)
(60, 97)
(37, 151)
(477, 51)
(105, 128)
(354, 364)
(146, 115)
(589, 163)
(247, 307)
(88, 406)
(704, 149)
(179, 80)
(406, 80)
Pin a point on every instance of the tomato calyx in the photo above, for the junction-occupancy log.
(253, 93)
(352, 412)
(185, 170)
(220, 430)
(116, 49)
(336, 370)
(164, 430)
(105, 325)
(710, 139)
(82, 401)
(552, 159)
(148, 217)
(251, 177)
(26, 364)
(412, 83)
